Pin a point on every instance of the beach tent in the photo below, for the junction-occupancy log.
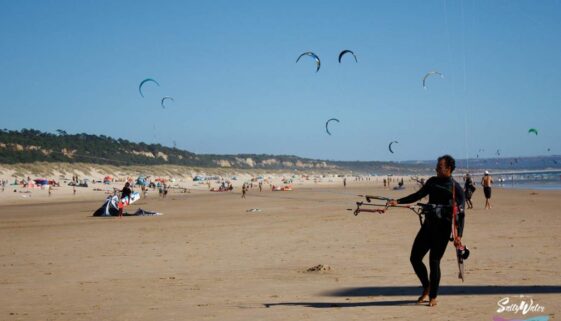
(142, 181)
(41, 181)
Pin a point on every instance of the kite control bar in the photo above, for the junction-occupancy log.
(359, 208)
(419, 209)
(369, 198)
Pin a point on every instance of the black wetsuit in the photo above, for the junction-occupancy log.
(469, 188)
(126, 192)
(434, 234)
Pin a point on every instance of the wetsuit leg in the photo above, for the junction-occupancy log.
(420, 248)
(440, 236)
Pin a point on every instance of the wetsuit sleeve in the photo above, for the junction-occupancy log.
(460, 201)
(424, 191)
(126, 192)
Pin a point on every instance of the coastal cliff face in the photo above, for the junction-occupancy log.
(30, 146)
(271, 163)
(12, 153)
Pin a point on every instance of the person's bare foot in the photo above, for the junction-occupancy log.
(432, 302)
(424, 296)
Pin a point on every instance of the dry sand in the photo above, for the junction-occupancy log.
(207, 258)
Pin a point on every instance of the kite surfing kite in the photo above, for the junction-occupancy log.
(114, 205)
(430, 73)
(533, 131)
(145, 81)
(164, 100)
(346, 52)
(313, 55)
(327, 124)
(390, 145)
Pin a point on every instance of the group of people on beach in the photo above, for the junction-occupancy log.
(469, 189)
(444, 223)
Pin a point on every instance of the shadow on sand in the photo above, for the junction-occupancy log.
(385, 291)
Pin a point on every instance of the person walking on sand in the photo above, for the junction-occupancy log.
(244, 189)
(487, 181)
(469, 188)
(260, 186)
(144, 191)
(444, 193)
(50, 189)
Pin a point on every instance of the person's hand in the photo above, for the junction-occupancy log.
(457, 241)
(391, 203)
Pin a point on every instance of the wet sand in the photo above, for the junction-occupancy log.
(207, 258)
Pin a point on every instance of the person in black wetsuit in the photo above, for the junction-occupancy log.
(469, 188)
(437, 227)
(126, 191)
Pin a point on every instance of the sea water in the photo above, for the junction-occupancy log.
(542, 181)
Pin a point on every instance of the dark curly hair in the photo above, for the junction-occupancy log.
(450, 162)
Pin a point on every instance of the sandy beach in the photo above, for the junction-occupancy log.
(207, 258)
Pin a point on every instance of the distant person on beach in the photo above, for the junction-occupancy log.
(126, 191)
(50, 189)
(469, 188)
(487, 181)
(144, 191)
(260, 186)
(444, 192)
(385, 182)
(345, 182)
(244, 189)
(74, 190)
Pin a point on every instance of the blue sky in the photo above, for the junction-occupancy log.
(230, 65)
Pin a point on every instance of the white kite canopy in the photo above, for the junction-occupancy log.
(111, 205)
(109, 208)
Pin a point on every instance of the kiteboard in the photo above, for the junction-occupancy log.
(135, 196)
(460, 258)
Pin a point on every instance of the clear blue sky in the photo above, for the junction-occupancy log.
(230, 65)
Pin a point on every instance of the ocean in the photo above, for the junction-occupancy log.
(537, 181)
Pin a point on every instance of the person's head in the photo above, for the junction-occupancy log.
(486, 173)
(127, 184)
(445, 166)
